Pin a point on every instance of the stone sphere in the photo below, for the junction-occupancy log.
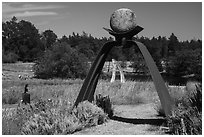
(123, 20)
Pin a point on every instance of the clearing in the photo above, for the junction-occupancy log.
(129, 120)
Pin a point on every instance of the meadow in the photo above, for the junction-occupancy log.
(63, 93)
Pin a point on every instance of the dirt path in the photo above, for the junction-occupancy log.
(129, 120)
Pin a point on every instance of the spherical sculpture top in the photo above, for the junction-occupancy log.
(123, 20)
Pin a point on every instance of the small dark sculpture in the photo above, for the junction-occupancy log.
(25, 95)
(105, 104)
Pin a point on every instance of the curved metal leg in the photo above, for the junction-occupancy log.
(89, 85)
(160, 86)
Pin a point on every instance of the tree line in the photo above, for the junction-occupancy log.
(68, 56)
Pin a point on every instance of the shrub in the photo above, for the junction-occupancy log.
(185, 121)
(105, 104)
(186, 62)
(186, 116)
(57, 121)
(195, 98)
(10, 57)
(61, 61)
(51, 117)
(89, 114)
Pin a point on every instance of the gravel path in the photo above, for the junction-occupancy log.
(129, 120)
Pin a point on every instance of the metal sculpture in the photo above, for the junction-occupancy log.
(123, 23)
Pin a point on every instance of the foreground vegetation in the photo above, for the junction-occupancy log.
(51, 117)
(186, 118)
(63, 94)
(52, 100)
(56, 117)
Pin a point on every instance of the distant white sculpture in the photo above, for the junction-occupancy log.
(117, 66)
(113, 70)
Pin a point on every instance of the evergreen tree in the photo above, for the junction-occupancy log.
(49, 38)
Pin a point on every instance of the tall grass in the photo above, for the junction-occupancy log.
(186, 117)
(11, 95)
(128, 93)
(176, 93)
(39, 82)
(11, 92)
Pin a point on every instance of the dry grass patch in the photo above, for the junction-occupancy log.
(128, 93)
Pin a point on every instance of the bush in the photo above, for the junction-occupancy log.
(105, 104)
(186, 118)
(58, 121)
(195, 98)
(52, 117)
(89, 114)
(10, 57)
(61, 61)
(186, 62)
(185, 121)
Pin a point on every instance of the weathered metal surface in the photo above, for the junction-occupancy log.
(89, 85)
(160, 86)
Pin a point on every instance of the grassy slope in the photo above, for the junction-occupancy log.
(131, 92)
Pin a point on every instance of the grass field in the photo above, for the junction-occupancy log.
(128, 93)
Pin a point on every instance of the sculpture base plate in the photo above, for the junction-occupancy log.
(127, 34)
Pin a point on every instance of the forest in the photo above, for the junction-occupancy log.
(68, 56)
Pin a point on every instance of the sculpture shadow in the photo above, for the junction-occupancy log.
(156, 122)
